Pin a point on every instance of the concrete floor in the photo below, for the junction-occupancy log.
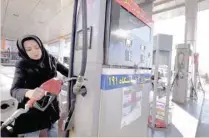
(203, 128)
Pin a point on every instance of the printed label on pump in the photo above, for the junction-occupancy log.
(131, 105)
(109, 82)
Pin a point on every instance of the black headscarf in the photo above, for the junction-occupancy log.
(44, 62)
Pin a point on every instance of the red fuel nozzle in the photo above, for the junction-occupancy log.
(52, 86)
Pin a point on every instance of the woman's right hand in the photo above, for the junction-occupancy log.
(36, 93)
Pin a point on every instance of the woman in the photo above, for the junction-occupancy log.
(34, 68)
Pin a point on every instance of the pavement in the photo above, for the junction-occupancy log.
(203, 126)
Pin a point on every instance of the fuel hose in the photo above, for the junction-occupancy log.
(70, 94)
(77, 87)
(80, 79)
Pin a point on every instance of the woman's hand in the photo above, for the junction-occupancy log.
(36, 93)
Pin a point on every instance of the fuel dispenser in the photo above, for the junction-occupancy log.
(180, 88)
(118, 69)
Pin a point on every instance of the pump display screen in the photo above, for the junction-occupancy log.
(129, 38)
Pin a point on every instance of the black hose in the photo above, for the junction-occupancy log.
(70, 94)
(73, 36)
(71, 64)
(193, 90)
(85, 43)
(176, 77)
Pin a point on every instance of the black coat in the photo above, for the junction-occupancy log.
(30, 76)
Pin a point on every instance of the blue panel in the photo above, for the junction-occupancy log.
(109, 82)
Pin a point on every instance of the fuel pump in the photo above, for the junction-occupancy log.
(181, 73)
(117, 101)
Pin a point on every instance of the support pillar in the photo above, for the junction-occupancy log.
(191, 10)
(61, 50)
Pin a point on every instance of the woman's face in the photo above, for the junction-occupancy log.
(32, 49)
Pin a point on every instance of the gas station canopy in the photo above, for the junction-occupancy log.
(52, 18)
(165, 9)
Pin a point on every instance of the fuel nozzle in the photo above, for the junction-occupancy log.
(78, 85)
(14, 116)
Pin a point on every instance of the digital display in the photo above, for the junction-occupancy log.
(126, 25)
(129, 38)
